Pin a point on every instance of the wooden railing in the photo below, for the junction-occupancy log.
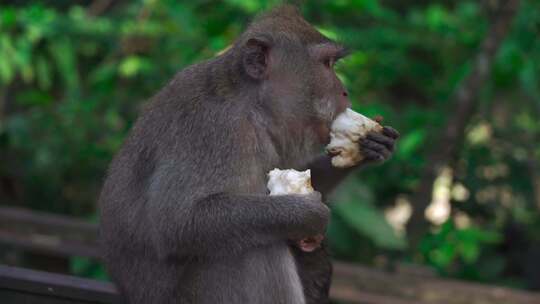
(62, 236)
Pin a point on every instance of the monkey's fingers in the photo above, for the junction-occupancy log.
(391, 132)
(371, 156)
(381, 139)
(374, 151)
(368, 144)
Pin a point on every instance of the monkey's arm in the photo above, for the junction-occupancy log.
(223, 224)
(376, 147)
(325, 177)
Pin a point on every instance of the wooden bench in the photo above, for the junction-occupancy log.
(63, 236)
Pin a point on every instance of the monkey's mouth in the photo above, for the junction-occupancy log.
(323, 133)
(322, 127)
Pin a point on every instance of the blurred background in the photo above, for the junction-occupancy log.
(459, 79)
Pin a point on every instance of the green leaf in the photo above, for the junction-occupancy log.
(7, 67)
(410, 143)
(444, 255)
(8, 17)
(64, 55)
(43, 73)
(34, 97)
(353, 206)
(329, 33)
(342, 238)
(133, 65)
(469, 251)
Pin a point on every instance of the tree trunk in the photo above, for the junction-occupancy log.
(464, 107)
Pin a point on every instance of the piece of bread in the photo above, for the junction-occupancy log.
(348, 128)
(289, 181)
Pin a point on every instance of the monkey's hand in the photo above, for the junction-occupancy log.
(378, 147)
(313, 241)
(315, 218)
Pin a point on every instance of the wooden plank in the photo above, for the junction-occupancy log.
(9, 296)
(351, 295)
(47, 233)
(20, 283)
(50, 222)
(349, 279)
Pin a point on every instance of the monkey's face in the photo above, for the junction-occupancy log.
(296, 77)
(309, 76)
(292, 65)
(329, 96)
(302, 82)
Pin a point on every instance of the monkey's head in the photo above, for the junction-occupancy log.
(291, 65)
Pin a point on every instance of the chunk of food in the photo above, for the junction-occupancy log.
(281, 182)
(289, 181)
(348, 128)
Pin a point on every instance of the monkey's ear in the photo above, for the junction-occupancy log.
(255, 57)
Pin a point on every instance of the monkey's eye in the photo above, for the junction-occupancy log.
(329, 62)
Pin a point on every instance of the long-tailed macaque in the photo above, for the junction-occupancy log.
(185, 212)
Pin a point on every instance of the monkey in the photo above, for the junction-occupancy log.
(185, 216)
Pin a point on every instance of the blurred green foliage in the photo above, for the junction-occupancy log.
(73, 76)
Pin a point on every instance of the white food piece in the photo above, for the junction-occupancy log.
(348, 128)
(289, 181)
